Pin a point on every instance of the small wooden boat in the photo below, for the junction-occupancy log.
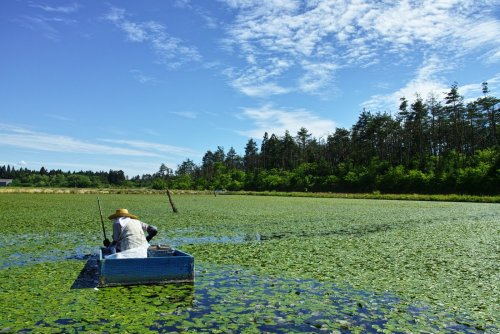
(163, 265)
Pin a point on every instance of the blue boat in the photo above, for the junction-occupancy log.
(163, 265)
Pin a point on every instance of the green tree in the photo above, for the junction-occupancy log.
(183, 181)
(338, 146)
(78, 181)
(187, 167)
(164, 172)
(455, 110)
(437, 128)
(362, 145)
(207, 167)
(272, 150)
(489, 106)
(303, 139)
(115, 177)
(233, 160)
(251, 158)
(290, 152)
(159, 183)
(418, 129)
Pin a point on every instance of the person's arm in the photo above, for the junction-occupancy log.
(116, 235)
(152, 231)
(117, 230)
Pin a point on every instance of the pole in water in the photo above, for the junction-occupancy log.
(174, 209)
(102, 220)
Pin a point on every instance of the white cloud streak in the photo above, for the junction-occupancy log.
(59, 117)
(143, 78)
(273, 120)
(48, 22)
(316, 38)
(20, 137)
(70, 8)
(145, 146)
(39, 141)
(47, 26)
(185, 114)
(171, 51)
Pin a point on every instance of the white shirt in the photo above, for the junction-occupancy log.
(129, 233)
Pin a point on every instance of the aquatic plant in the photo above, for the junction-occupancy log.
(273, 264)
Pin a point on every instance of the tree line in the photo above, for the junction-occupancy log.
(428, 146)
(58, 178)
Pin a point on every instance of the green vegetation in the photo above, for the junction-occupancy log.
(429, 147)
(147, 191)
(376, 195)
(277, 264)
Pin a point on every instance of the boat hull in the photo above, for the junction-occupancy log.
(160, 267)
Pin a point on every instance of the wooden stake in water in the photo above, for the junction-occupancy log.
(172, 204)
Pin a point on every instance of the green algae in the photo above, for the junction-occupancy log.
(262, 264)
(224, 299)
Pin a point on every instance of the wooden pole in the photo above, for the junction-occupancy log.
(172, 204)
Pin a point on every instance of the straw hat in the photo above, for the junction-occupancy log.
(122, 213)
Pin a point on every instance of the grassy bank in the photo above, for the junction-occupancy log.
(375, 195)
(104, 191)
(409, 197)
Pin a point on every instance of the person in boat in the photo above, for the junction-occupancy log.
(128, 231)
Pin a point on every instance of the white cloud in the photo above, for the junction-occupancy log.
(47, 26)
(143, 78)
(70, 8)
(210, 21)
(256, 89)
(171, 51)
(472, 91)
(483, 35)
(58, 117)
(316, 76)
(427, 81)
(185, 114)
(154, 148)
(492, 56)
(23, 138)
(330, 35)
(272, 120)
(134, 157)
(256, 81)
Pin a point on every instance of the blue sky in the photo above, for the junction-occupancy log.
(100, 85)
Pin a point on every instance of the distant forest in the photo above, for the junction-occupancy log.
(430, 147)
